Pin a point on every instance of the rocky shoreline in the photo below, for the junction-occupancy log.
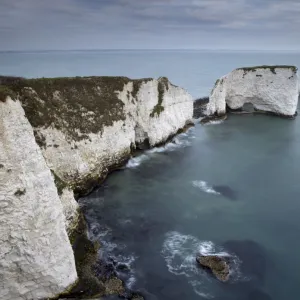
(96, 277)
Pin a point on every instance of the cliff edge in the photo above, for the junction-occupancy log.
(59, 136)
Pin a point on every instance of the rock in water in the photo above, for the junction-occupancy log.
(114, 286)
(200, 107)
(270, 89)
(217, 264)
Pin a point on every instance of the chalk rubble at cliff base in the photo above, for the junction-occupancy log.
(270, 89)
(63, 135)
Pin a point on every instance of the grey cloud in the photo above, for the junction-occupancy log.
(64, 24)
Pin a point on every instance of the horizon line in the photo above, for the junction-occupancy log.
(147, 49)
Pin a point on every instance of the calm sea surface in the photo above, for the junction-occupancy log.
(194, 70)
(230, 188)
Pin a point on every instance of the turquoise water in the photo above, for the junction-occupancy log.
(230, 188)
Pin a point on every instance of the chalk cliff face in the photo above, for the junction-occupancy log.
(87, 126)
(36, 258)
(271, 89)
(59, 136)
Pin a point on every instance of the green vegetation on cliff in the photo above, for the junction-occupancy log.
(137, 85)
(5, 91)
(218, 81)
(59, 183)
(77, 106)
(271, 68)
(162, 86)
(86, 255)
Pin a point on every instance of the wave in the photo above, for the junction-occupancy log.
(136, 161)
(198, 289)
(213, 122)
(205, 187)
(180, 141)
(131, 282)
(180, 252)
(114, 254)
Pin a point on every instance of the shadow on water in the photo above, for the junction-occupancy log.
(226, 191)
(253, 268)
(253, 258)
(258, 295)
(253, 295)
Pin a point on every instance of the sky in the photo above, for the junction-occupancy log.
(149, 24)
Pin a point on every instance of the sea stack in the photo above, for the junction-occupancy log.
(59, 136)
(270, 89)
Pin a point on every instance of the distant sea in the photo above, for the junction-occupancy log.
(195, 70)
(228, 188)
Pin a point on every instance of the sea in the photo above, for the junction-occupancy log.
(228, 188)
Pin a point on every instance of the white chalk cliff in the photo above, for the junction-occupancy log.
(140, 117)
(271, 89)
(61, 135)
(36, 258)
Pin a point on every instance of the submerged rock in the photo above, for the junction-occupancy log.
(214, 118)
(217, 264)
(226, 191)
(269, 89)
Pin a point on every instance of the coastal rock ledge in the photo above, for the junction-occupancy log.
(62, 136)
(269, 89)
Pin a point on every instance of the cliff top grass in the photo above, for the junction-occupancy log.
(75, 105)
(5, 91)
(271, 68)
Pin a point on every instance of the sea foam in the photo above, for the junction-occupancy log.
(180, 141)
(114, 254)
(205, 187)
(180, 252)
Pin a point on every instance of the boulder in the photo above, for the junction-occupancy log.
(114, 286)
(200, 106)
(217, 264)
